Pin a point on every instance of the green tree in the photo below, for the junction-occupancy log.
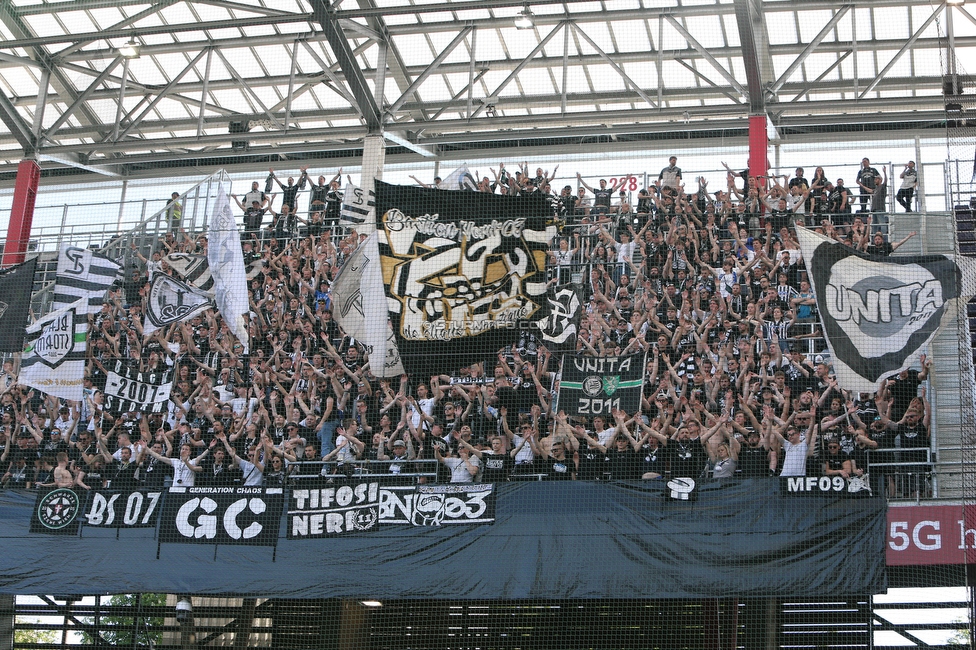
(961, 637)
(30, 637)
(128, 631)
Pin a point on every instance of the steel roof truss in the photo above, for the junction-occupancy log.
(907, 46)
(705, 54)
(134, 123)
(809, 49)
(429, 70)
(698, 74)
(18, 127)
(326, 16)
(538, 48)
(156, 8)
(813, 84)
(628, 82)
(80, 100)
(339, 86)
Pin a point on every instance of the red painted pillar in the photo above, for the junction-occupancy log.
(21, 212)
(758, 145)
(720, 622)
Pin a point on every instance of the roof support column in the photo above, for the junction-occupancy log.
(374, 156)
(758, 147)
(21, 212)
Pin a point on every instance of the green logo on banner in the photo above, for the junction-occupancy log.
(611, 384)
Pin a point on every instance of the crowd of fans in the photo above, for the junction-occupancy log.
(710, 285)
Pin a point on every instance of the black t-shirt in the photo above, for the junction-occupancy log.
(688, 459)
(836, 198)
(274, 478)
(253, 217)
(912, 436)
(591, 464)
(558, 470)
(567, 205)
(903, 391)
(602, 196)
(835, 462)
(860, 458)
(289, 194)
(753, 461)
(868, 177)
(154, 472)
(318, 194)
(20, 476)
(219, 475)
(653, 460)
(333, 202)
(496, 468)
(94, 477)
(623, 464)
(121, 476)
(884, 250)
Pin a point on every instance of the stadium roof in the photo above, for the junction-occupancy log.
(310, 78)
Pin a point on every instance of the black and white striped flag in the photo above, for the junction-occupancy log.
(83, 274)
(358, 209)
(194, 269)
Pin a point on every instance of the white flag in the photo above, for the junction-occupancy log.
(460, 179)
(359, 306)
(82, 273)
(54, 361)
(227, 268)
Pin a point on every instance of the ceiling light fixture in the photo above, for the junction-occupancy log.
(957, 3)
(370, 603)
(130, 49)
(524, 20)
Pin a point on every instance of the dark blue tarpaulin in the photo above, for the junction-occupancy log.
(549, 540)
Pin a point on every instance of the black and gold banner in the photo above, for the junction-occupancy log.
(464, 271)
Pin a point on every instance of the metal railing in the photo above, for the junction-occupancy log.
(418, 470)
(196, 206)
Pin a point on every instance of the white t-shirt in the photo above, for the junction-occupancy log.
(459, 469)
(525, 454)
(795, 460)
(252, 475)
(182, 475)
(625, 252)
(425, 405)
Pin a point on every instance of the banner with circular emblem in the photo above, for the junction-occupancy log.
(600, 385)
(57, 512)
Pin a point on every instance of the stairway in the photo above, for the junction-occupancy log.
(952, 351)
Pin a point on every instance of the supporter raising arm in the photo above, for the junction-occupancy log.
(795, 447)
(464, 467)
(252, 469)
(723, 457)
(184, 467)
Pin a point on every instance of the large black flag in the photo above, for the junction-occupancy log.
(463, 271)
(16, 284)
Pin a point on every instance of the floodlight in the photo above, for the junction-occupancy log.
(524, 20)
(130, 49)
